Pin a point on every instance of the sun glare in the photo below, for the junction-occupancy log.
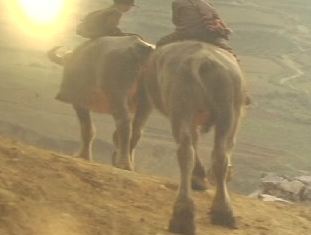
(39, 20)
(42, 11)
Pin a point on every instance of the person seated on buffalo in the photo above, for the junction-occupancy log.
(104, 22)
(197, 20)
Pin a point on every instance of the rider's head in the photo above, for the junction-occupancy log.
(124, 5)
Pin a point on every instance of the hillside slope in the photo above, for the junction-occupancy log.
(44, 193)
(272, 39)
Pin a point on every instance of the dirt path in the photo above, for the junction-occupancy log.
(44, 193)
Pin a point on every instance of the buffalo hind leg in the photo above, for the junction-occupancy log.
(143, 111)
(87, 132)
(116, 145)
(121, 158)
(231, 141)
(182, 220)
(198, 175)
(221, 211)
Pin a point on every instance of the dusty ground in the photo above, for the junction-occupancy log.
(44, 193)
(272, 38)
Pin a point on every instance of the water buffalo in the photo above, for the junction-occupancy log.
(197, 86)
(101, 76)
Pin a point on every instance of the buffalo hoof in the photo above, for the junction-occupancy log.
(199, 184)
(122, 164)
(182, 221)
(114, 158)
(225, 219)
(84, 156)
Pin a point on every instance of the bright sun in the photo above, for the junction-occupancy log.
(42, 11)
(39, 20)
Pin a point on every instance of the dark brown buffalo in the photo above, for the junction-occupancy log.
(101, 76)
